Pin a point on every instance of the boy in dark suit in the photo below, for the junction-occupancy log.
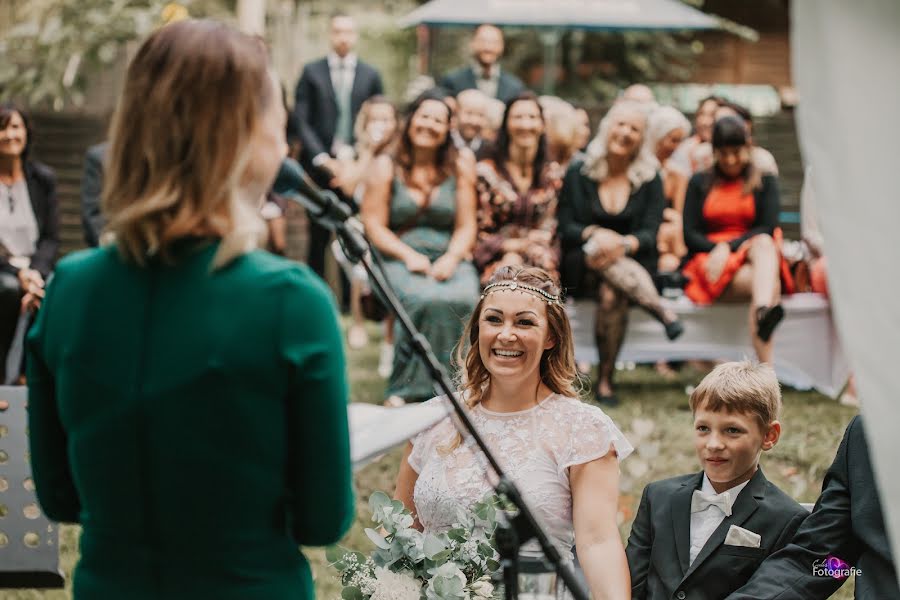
(701, 536)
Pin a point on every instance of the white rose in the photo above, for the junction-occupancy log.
(395, 586)
(482, 589)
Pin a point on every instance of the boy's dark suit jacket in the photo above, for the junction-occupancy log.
(463, 78)
(846, 522)
(660, 542)
(316, 104)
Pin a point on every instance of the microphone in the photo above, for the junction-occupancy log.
(322, 205)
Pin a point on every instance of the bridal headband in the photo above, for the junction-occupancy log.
(515, 285)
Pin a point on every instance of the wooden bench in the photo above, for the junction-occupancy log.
(808, 354)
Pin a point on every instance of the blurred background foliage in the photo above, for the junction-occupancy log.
(53, 48)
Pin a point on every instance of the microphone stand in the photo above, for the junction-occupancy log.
(331, 213)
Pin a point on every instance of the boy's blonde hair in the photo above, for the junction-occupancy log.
(742, 387)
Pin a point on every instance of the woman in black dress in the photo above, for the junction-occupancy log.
(610, 208)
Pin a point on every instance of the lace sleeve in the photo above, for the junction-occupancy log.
(422, 443)
(593, 434)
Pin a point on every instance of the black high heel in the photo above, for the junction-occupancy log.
(674, 329)
(767, 319)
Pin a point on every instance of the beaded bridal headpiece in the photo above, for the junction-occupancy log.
(515, 285)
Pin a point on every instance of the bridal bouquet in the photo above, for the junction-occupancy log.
(410, 565)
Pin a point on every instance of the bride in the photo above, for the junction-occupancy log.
(520, 390)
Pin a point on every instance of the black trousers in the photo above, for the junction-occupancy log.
(319, 237)
(10, 299)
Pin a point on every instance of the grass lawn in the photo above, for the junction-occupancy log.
(655, 417)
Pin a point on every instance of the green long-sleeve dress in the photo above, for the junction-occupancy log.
(193, 421)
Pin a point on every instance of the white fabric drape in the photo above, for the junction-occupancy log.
(846, 60)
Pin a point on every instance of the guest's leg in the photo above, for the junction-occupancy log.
(610, 324)
(318, 242)
(764, 259)
(629, 277)
(10, 298)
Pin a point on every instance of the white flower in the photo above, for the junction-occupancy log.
(395, 586)
(482, 588)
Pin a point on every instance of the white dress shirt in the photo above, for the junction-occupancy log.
(343, 72)
(487, 85)
(19, 231)
(705, 522)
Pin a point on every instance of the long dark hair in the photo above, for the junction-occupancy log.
(446, 154)
(6, 112)
(500, 151)
(730, 132)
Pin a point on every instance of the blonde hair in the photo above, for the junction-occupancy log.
(643, 166)
(179, 142)
(362, 123)
(662, 121)
(740, 387)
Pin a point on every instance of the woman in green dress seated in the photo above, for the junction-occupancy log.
(419, 213)
(187, 401)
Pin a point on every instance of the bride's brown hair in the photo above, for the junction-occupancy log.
(558, 371)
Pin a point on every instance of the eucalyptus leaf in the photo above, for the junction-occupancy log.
(352, 593)
(377, 539)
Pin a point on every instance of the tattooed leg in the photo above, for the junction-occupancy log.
(610, 324)
(629, 277)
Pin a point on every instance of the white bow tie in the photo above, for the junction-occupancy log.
(700, 501)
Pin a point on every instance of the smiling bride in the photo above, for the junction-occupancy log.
(520, 389)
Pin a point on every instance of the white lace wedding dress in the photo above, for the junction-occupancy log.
(536, 447)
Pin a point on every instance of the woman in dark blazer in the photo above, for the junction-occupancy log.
(187, 399)
(29, 229)
(610, 208)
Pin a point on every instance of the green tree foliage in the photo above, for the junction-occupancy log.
(56, 44)
(57, 41)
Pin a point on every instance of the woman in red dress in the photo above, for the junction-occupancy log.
(730, 228)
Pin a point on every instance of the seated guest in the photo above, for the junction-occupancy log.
(666, 129)
(374, 132)
(29, 229)
(484, 73)
(690, 155)
(762, 158)
(92, 220)
(419, 213)
(703, 535)
(471, 121)
(610, 208)
(517, 195)
(847, 523)
(561, 124)
(187, 400)
(639, 93)
(582, 132)
(730, 226)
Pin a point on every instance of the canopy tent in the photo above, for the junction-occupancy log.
(604, 15)
(555, 16)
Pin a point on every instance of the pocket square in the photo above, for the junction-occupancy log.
(738, 536)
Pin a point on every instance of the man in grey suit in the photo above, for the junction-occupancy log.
(329, 95)
(484, 72)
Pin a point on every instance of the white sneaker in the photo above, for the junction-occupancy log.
(386, 360)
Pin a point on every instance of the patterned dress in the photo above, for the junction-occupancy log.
(505, 214)
(438, 309)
